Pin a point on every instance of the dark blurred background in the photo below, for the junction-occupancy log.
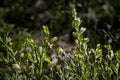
(100, 17)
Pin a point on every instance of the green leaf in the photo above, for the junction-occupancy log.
(29, 56)
(48, 60)
(53, 39)
(79, 55)
(99, 52)
(46, 30)
(76, 23)
(86, 40)
(17, 67)
(114, 67)
(108, 47)
(82, 30)
(118, 54)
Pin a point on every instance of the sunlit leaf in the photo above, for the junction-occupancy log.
(29, 56)
(99, 52)
(46, 30)
(17, 68)
(79, 55)
(118, 54)
(53, 39)
(48, 60)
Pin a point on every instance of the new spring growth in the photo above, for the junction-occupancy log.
(46, 30)
(76, 21)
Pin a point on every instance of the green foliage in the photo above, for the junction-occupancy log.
(34, 61)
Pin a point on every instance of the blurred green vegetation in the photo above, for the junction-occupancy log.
(28, 49)
(101, 18)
